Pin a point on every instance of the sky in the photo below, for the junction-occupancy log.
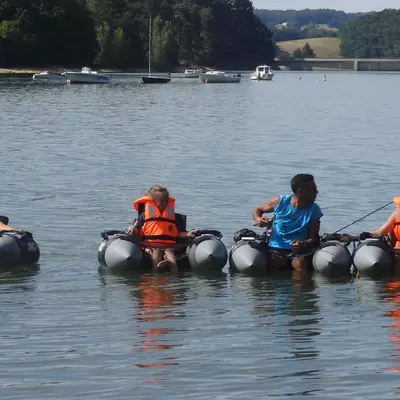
(345, 5)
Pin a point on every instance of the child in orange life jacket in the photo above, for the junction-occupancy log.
(157, 225)
(391, 227)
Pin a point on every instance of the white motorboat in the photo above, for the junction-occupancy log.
(192, 73)
(262, 73)
(220, 77)
(86, 75)
(46, 76)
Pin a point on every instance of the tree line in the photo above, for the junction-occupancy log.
(114, 33)
(306, 32)
(289, 25)
(305, 52)
(373, 35)
(298, 19)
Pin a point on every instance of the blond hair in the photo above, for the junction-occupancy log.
(157, 190)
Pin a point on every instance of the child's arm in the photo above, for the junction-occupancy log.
(135, 227)
(186, 235)
(132, 230)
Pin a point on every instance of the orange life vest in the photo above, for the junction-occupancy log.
(158, 226)
(396, 229)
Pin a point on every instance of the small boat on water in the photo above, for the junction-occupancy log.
(192, 73)
(149, 79)
(86, 75)
(220, 77)
(46, 76)
(156, 79)
(262, 73)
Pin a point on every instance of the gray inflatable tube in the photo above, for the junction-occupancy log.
(119, 252)
(372, 256)
(332, 258)
(248, 256)
(17, 248)
(207, 253)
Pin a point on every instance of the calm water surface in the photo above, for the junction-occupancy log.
(74, 157)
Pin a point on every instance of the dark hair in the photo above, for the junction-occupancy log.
(299, 180)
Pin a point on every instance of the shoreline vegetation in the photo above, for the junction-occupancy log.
(114, 34)
(111, 36)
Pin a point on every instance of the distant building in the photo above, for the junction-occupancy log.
(282, 26)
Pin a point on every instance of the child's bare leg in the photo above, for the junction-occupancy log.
(156, 256)
(170, 258)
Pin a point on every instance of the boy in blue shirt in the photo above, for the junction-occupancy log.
(295, 225)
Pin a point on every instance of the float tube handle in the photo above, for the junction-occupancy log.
(208, 232)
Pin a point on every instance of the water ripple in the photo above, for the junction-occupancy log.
(74, 158)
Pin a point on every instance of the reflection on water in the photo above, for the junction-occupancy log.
(157, 301)
(20, 278)
(393, 297)
(304, 310)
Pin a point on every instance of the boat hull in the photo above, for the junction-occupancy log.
(154, 79)
(80, 77)
(49, 77)
(268, 77)
(209, 78)
(193, 75)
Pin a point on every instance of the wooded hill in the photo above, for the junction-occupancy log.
(114, 33)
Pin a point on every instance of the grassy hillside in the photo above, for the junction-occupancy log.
(323, 47)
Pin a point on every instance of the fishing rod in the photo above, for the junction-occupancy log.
(365, 216)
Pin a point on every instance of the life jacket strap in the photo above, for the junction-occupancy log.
(159, 237)
(160, 219)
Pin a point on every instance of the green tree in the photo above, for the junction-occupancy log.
(372, 35)
(205, 52)
(222, 33)
(307, 51)
(103, 34)
(163, 44)
(298, 53)
(45, 32)
(297, 19)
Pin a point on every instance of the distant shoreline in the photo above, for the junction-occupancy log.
(30, 71)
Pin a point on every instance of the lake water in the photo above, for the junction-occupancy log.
(74, 157)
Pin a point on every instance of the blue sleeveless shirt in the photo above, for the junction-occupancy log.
(292, 223)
